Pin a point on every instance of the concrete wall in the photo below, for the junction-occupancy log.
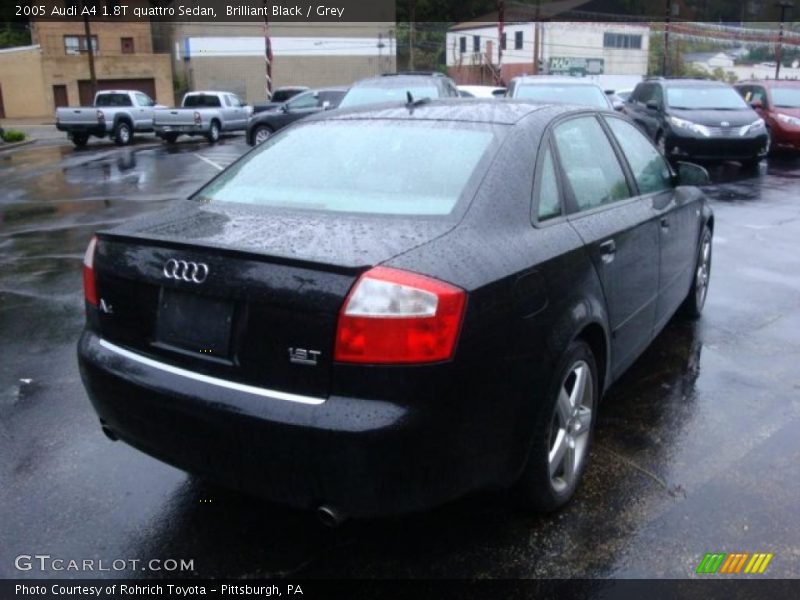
(22, 83)
(230, 56)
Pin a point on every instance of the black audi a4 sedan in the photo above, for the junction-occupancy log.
(377, 311)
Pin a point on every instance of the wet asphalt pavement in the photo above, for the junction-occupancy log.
(697, 447)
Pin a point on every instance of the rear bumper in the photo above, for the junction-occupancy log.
(786, 137)
(716, 149)
(364, 457)
(194, 129)
(93, 129)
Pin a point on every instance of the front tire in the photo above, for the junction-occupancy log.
(213, 133)
(696, 300)
(563, 432)
(123, 134)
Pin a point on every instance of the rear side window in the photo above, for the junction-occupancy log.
(201, 101)
(360, 166)
(549, 202)
(590, 166)
(649, 168)
(113, 100)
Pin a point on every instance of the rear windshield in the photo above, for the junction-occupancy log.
(284, 95)
(563, 94)
(786, 97)
(708, 98)
(373, 95)
(377, 166)
(113, 100)
(201, 101)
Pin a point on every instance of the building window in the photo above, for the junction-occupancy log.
(504, 41)
(622, 40)
(462, 44)
(76, 44)
(127, 45)
(518, 40)
(476, 43)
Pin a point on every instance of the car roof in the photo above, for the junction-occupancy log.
(683, 82)
(545, 79)
(468, 110)
(207, 93)
(393, 80)
(771, 82)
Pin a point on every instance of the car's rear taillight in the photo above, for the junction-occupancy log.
(393, 316)
(197, 118)
(101, 115)
(89, 289)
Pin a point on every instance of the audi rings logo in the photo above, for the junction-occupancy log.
(186, 271)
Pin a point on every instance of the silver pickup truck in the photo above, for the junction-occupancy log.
(202, 113)
(116, 113)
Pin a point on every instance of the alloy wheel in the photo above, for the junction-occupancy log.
(703, 272)
(571, 426)
(262, 135)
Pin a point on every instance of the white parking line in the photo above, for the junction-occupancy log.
(209, 161)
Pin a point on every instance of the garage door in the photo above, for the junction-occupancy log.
(146, 86)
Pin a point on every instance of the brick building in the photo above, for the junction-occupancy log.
(54, 70)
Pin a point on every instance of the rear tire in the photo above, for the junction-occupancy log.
(80, 140)
(261, 134)
(563, 432)
(123, 134)
(692, 307)
(213, 133)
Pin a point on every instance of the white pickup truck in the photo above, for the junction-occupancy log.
(202, 113)
(116, 113)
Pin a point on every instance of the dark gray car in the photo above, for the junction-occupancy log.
(262, 125)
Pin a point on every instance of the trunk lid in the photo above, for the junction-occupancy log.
(262, 303)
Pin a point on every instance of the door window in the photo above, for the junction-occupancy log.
(649, 168)
(591, 169)
(143, 100)
(307, 100)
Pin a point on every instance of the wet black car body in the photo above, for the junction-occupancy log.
(697, 119)
(220, 335)
(265, 123)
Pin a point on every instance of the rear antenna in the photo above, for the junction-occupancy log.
(409, 98)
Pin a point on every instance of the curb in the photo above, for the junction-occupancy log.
(15, 145)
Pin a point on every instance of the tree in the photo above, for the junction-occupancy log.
(14, 34)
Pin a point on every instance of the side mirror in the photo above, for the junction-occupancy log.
(692, 174)
(326, 105)
(652, 105)
(285, 108)
(757, 104)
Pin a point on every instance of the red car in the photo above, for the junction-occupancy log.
(778, 103)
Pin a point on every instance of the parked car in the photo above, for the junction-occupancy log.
(698, 119)
(279, 96)
(262, 125)
(202, 113)
(561, 90)
(481, 91)
(395, 87)
(778, 103)
(384, 309)
(117, 114)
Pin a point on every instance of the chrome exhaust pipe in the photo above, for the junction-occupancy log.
(330, 517)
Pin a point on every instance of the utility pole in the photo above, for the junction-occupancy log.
(89, 48)
(784, 5)
(501, 24)
(536, 33)
(665, 56)
(267, 55)
(412, 36)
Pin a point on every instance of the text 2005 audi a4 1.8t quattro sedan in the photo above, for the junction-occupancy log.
(381, 310)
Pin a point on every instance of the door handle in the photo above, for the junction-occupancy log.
(607, 250)
(664, 223)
